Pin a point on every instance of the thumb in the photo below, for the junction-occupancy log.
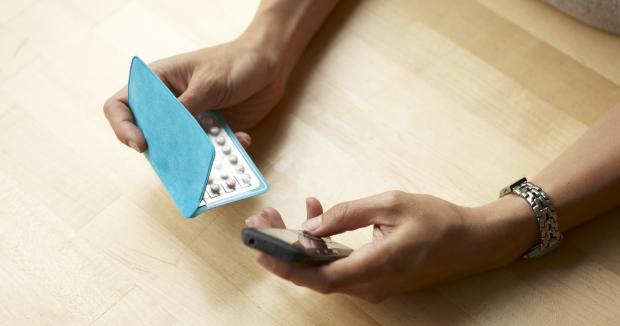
(346, 216)
(193, 99)
(205, 94)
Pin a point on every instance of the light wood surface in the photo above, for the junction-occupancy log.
(451, 98)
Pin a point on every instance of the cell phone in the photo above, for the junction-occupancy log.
(294, 246)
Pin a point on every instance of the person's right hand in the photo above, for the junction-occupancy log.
(417, 240)
(241, 79)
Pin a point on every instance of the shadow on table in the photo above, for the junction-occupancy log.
(270, 133)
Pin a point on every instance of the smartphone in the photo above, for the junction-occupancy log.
(294, 246)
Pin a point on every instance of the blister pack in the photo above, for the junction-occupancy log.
(233, 175)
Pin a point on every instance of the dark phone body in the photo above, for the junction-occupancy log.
(294, 246)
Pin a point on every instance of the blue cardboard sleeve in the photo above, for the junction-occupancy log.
(179, 150)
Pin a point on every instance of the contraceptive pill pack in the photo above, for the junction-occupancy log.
(200, 161)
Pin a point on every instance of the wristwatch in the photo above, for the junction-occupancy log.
(550, 236)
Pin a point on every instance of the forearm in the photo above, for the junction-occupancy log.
(582, 182)
(283, 28)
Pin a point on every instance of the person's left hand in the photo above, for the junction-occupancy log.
(417, 240)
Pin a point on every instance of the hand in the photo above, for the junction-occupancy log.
(240, 78)
(417, 240)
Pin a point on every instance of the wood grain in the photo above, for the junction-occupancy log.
(451, 98)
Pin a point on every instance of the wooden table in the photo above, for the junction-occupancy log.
(451, 98)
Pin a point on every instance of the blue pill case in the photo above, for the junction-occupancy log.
(200, 161)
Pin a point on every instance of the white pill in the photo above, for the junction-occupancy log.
(240, 168)
(220, 140)
(246, 179)
(233, 159)
(215, 188)
(226, 149)
(231, 183)
(214, 130)
(224, 175)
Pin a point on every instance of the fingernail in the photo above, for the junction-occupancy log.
(312, 224)
(133, 145)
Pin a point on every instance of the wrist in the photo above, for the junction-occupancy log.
(281, 30)
(268, 35)
(510, 228)
(258, 43)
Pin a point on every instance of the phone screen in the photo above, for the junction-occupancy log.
(301, 239)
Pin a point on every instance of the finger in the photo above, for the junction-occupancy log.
(192, 99)
(274, 218)
(313, 207)
(307, 243)
(365, 264)
(256, 221)
(338, 276)
(347, 216)
(300, 275)
(121, 120)
(244, 139)
(204, 94)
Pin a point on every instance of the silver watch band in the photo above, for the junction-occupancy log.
(550, 236)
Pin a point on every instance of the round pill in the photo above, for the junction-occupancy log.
(215, 188)
(230, 183)
(233, 159)
(220, 140)
(226, 149)
(240, 168)
(246, 179)
(214, 130)
(224, 175)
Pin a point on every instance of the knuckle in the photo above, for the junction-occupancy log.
(393, 198)
(158, 66)
(338, 213)
(107, 107)
(218, 91)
